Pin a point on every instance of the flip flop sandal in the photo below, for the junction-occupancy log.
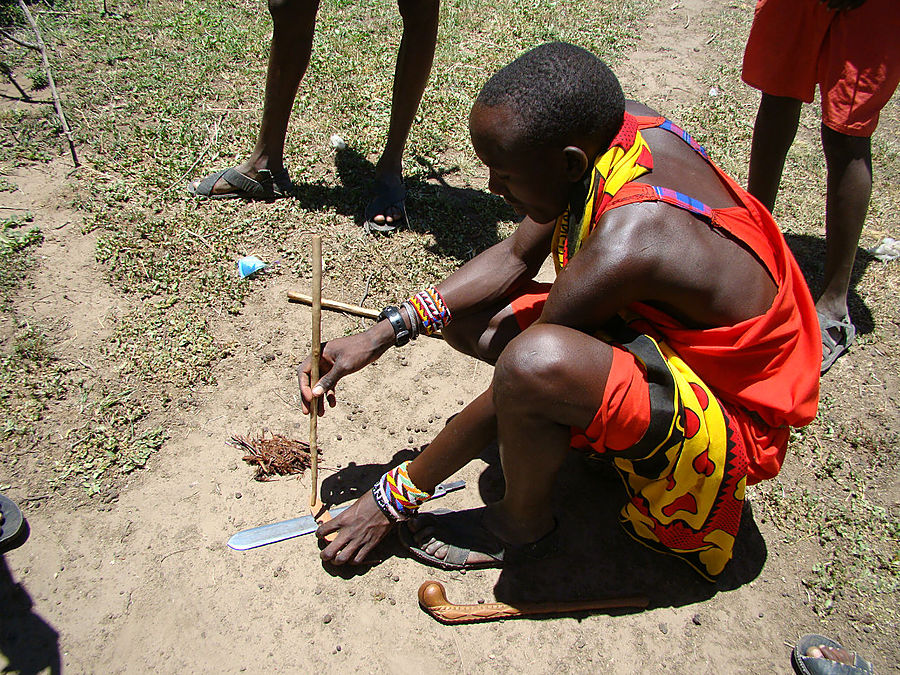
(809, 665)
(385, 197)
(464, 532)
(832, 347)
(11, 521)
(267, 187)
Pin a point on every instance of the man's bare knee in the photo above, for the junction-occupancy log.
(528, 367)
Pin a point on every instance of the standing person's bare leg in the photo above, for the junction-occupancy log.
(414, 59)
(293, 23)
(849, 163)
(773, 133)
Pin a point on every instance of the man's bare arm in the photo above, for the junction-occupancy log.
(660, 254)
(481, 281)
(492, 274)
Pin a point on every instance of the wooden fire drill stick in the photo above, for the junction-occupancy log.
(316, 508)
(314, 375)
(433, 599)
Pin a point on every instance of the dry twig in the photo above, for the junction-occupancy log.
(21, 43)
(275, 455)
(56, 102)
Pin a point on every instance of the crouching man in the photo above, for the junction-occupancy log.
(679, 340)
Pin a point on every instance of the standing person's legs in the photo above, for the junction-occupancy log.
(773, 134)
(859, 71)
(414, 59)
(294, 23)
(293, 27)
(781, 60)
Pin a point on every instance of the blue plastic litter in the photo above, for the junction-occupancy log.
(249, 265)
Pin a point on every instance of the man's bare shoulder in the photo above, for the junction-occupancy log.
(638, 109)
(641, 231)
(668, 255)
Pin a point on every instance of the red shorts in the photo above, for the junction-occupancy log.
(854, 57)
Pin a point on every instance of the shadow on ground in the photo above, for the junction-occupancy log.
(809, 250)
(597, 559)
(29, 643)
(463, 221)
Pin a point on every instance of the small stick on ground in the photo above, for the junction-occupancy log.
(334, 304)
(338, 306)
(56, 102)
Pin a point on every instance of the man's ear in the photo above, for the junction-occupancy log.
(576, 163)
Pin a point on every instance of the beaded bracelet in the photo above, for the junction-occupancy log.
(431, 309)
(397, 496)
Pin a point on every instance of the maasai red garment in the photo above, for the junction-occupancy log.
(768, 365)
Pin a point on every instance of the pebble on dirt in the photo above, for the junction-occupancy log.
(327, 618)
(696, 619)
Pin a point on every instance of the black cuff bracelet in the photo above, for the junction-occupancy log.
(401, 332)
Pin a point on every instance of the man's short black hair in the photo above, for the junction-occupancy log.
(561, 94)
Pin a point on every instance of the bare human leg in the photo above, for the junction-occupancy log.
(849, 162)
(773, 134)
(482, 335)
(293, 27)
(532, 395)
(414, 59)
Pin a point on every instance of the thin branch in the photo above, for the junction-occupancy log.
(56, 101)
(22, 43)
(8, 72)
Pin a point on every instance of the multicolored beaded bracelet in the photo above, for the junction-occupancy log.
(431, 309)
(397, 496)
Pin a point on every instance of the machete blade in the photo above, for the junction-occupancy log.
(296, 527)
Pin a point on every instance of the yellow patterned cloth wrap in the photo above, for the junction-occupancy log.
(627, 158)
(685, 479)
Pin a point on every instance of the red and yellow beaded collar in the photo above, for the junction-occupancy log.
(627, 158)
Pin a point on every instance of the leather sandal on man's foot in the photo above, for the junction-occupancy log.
(386, 197)
(11, 522)
(464, 532)
(804, 664)
(837, 336)
(267, 186)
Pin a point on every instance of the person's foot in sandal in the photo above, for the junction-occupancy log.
(837, 336)
(387, 210)
(11, 524)
(244, 182)
(458, 540)
(819, 655)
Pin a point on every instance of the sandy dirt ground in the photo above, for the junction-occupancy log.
(140, 579)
